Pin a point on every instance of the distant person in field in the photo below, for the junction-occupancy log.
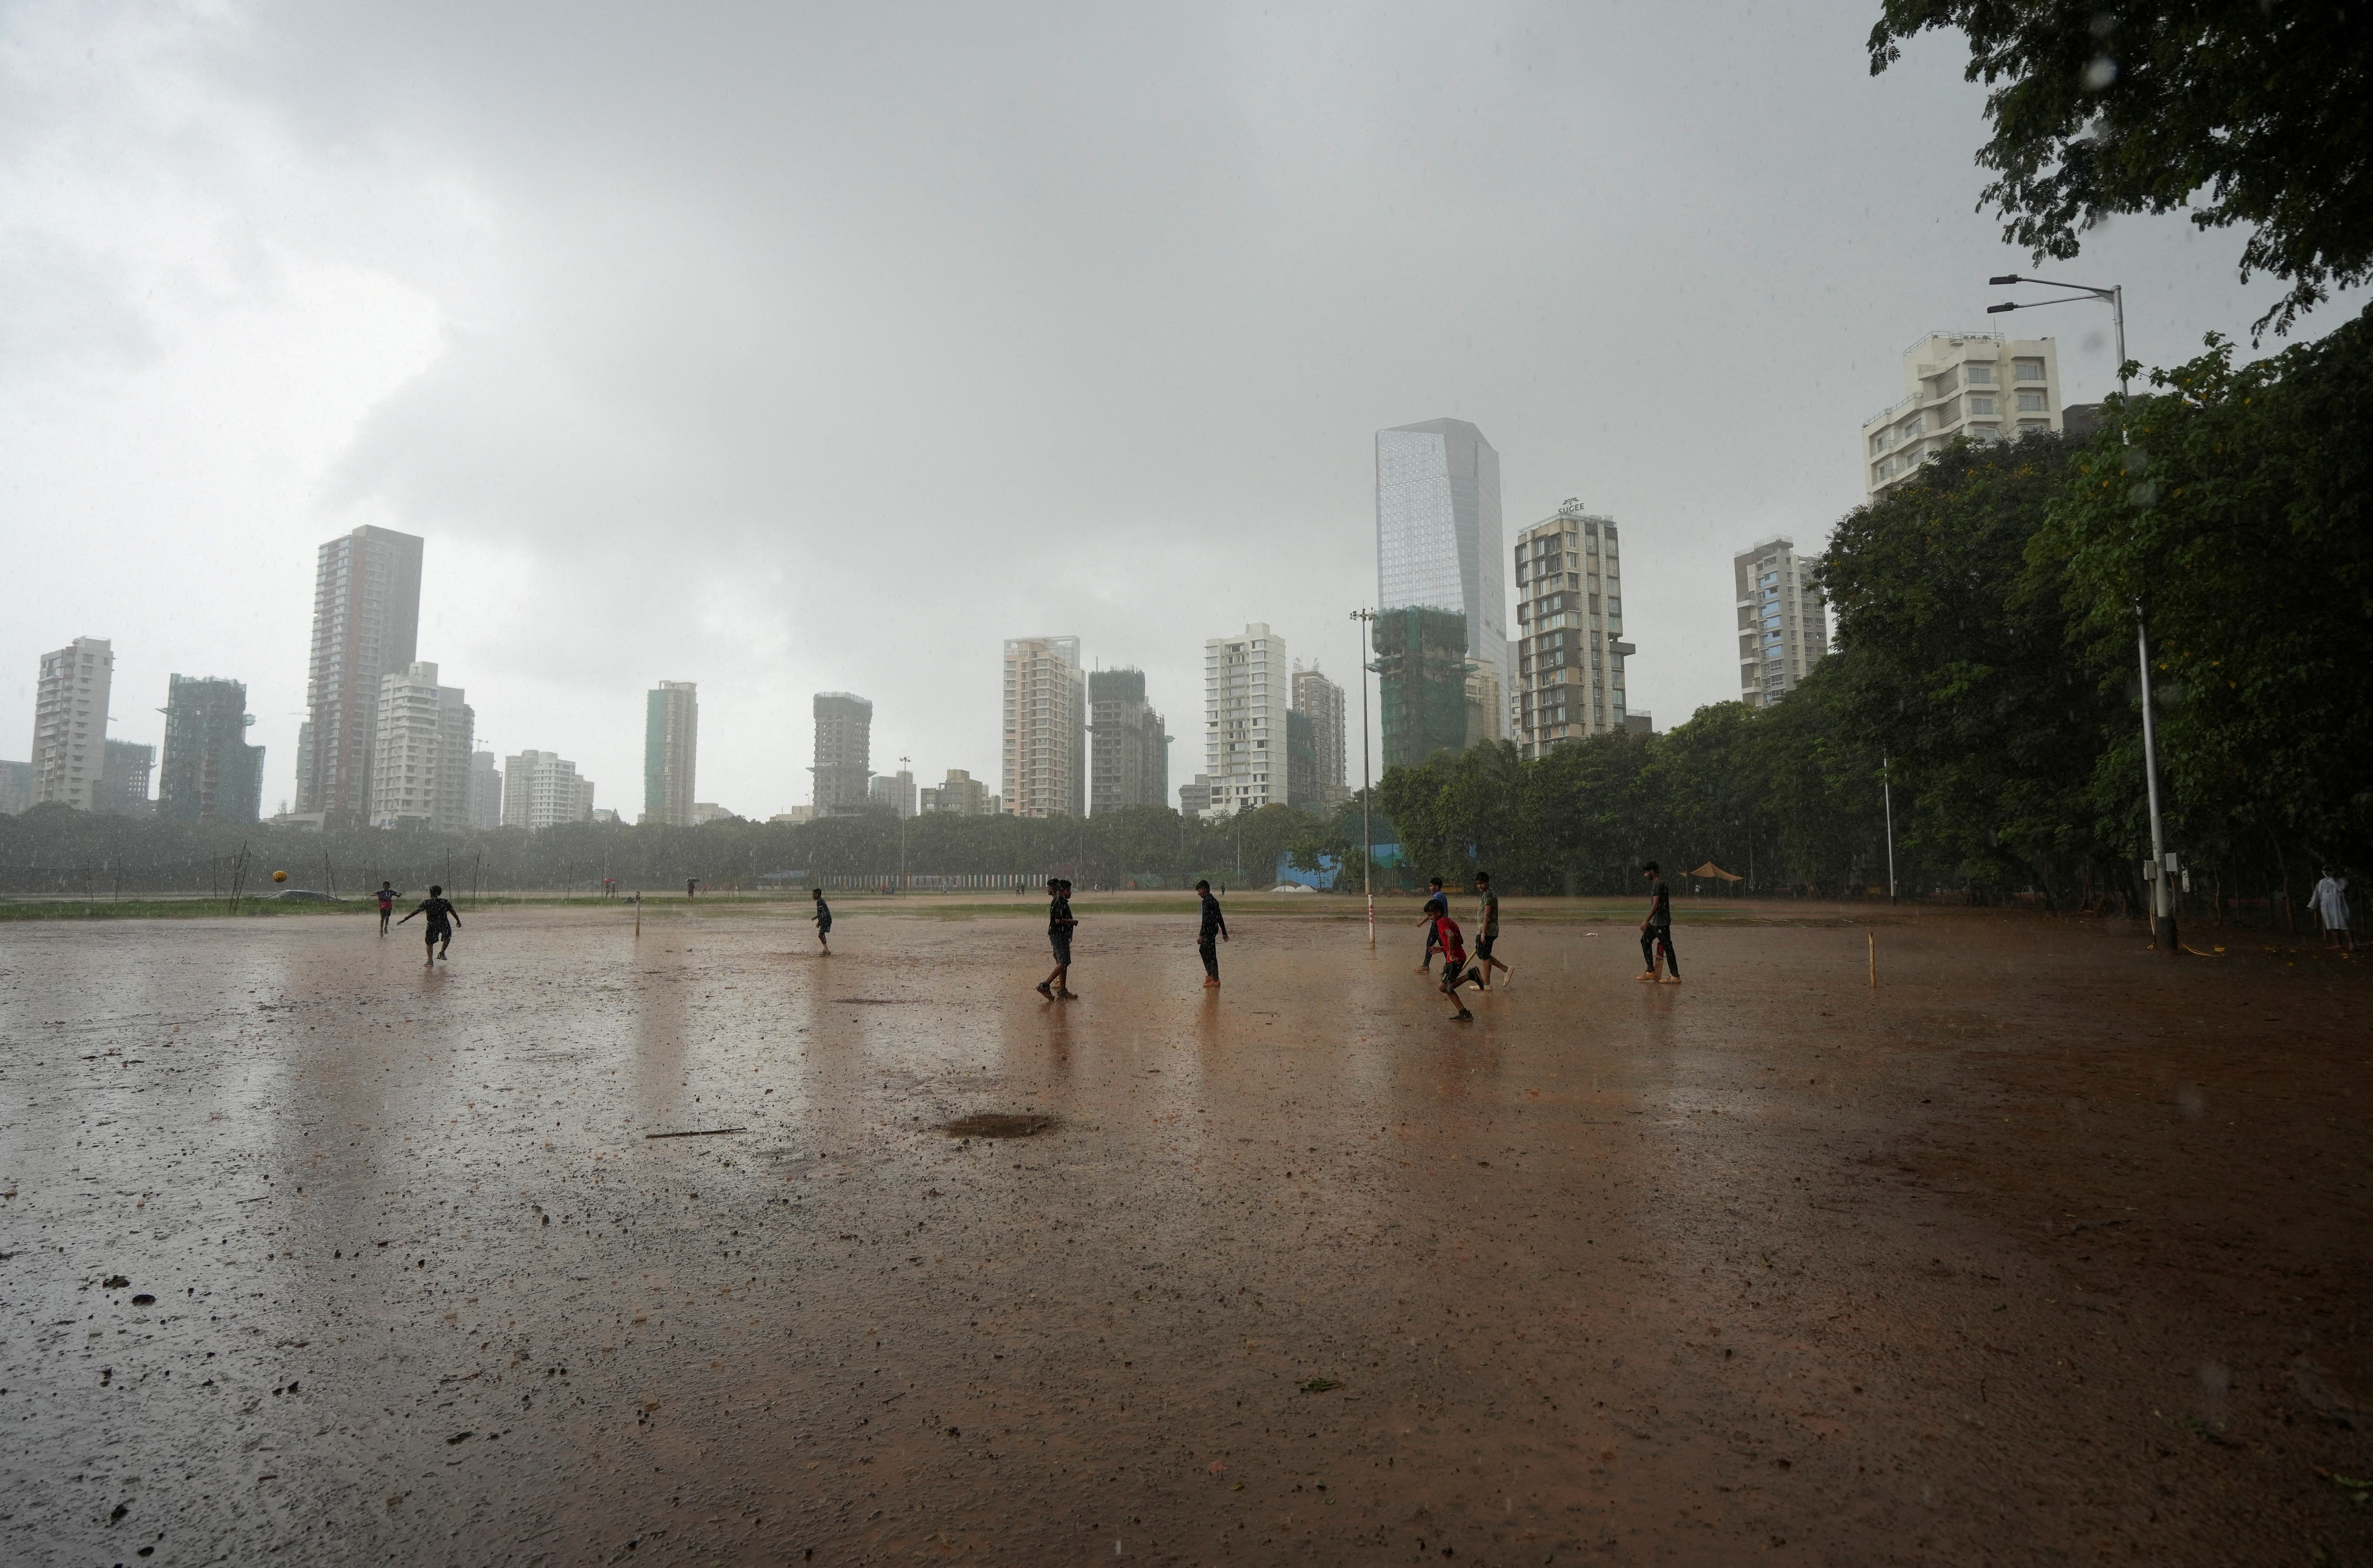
(1656, 930)
(442, 918)
(2329, 901)
(822, 918)
(1437, 904)
(1487, 932)
(1215, 925)
(386, 896)
(1059, 925)
(1453, 962)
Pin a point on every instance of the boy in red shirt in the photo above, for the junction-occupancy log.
(1454, 963)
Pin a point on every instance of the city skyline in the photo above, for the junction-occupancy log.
(399, 358)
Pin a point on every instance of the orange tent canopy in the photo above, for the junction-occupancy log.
(1711, 869)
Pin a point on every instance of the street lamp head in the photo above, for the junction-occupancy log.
(1998, 309)
(2006, 277)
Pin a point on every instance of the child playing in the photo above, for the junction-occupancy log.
(1454, 961)
(442, 918)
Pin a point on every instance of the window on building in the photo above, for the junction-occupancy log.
(1980, 375)
(1981, 405)
(2030, 403)
(2028, 369)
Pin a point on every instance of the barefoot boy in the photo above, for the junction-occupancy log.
(442, 918)
(1656, 930)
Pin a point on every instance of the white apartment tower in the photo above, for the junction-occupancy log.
(541, 789)
(420, 753)
(1248, 686)
(1975, 384)
(1569, 647)
(1784, 623)
(70, 722)
(1045, 727)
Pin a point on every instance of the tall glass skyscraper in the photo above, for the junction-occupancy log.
(1438, 532)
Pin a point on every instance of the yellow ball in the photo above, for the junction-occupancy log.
(280, 877)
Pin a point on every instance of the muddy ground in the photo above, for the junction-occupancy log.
(2045, 1250)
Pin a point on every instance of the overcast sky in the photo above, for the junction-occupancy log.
(800, 348)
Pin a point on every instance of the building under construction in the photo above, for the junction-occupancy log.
(1421, 685)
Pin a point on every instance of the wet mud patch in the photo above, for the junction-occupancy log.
(997, 1124)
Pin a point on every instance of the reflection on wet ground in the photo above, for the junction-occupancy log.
(581, 1248)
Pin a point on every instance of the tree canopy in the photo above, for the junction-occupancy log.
(2242, 112)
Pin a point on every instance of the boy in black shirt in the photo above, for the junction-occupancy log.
(1487, 932)
(1657, 929)
(1214, 924)
(442, 918)
(1437, 904)
(823, 920)
(1060, 925)
(386, 896)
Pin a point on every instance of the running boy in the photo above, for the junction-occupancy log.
(1487, 931)
(1657, 929)
(1214, 923)
(442, 918)
(1437, 904)
(822, 918)
(1454, 960)
(1060, 925)
(385, 897)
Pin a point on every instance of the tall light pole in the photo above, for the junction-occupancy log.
(2162, 882)
(1887, 795)
(1367, 790)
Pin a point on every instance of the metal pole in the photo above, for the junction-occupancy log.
(1367, 788)
(2162, 884)
(1887, 793)
(906, 766)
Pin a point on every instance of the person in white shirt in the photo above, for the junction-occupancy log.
(2329, 901)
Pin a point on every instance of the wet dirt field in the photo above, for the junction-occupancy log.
(2047, 1251)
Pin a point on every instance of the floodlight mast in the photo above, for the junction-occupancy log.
(2162, 877)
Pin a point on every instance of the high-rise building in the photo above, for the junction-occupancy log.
(844, 753)
(1979, 385)
(70, 722)
(1783, 622)
(366, 628)
(210, 773)
(1248, 685)
(670, 739)
(1421, 696)
(896, 791)
(485, 792)
(1570, 629)
(541, 789)
(1301, 761)
(1131, 760)
(1438, 538)
(1195, 796)
(123, 780)
(420, 757)
(1323, 700)
(16, 788)
(1045, 727)
(960, 795)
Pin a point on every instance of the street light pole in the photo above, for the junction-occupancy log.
(1367, 790)
(1887, 794)
(2162, 884)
